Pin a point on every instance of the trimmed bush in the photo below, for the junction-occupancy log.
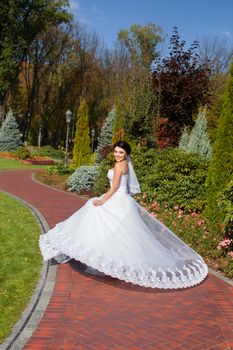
(172, 176)
(9, 134)
(82, 151)
(82, 179)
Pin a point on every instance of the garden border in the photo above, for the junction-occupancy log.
(31, 316)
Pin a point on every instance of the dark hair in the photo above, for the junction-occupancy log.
(124, 145)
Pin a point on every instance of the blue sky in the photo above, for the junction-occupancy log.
(194, 18)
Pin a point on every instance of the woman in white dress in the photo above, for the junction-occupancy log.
(114, 235)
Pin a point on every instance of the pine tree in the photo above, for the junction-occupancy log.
(221, 168)
(198, 140)
(81, 150)
(184, 140)
(105, 139)
(10, 138)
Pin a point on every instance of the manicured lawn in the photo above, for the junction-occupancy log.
(8, 164)
(20, 262)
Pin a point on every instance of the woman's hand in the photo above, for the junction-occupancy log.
(97, 202)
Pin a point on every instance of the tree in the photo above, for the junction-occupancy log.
(139, 107)
(105, 139)
(181, 83)
(9, 134)
(216, 52)
(118, 130)
(141, 43)
(81, 150)
(198, 140)
(20, 23)
(221, 168)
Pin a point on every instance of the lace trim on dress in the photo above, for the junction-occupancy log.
(190, 274)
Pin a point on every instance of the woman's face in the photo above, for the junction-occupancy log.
(119, 154)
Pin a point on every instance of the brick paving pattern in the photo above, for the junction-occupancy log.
(101, 313)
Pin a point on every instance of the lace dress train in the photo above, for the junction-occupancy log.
(121, 239)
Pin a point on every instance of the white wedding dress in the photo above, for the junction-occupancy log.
(121, 239)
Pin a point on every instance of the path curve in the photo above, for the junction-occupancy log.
(96, 313)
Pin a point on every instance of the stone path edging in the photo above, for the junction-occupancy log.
(29, 320)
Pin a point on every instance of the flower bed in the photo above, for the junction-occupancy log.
(8, 155)
(40, 161)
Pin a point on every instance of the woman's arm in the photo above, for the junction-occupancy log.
(115, 185)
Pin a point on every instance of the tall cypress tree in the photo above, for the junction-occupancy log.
(105, 139)
(10, 138)
(81, 150)
(221, 169)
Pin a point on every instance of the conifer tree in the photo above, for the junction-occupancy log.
(184, 140)
(81, 150)
(9, 134)
(198, 140)
(105, 139)
(221, 168)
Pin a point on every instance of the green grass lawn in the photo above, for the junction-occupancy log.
(20, 261)
(8, 164)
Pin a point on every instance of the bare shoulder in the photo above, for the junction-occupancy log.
(122, 167)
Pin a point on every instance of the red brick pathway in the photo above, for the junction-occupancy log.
(96, 313)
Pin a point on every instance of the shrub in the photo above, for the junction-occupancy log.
(22, 153)
(221, 169)
(9, 134)
(59, 169)
(82, 179)
(225, 206)
(82, 151)
(173, 176)
(46, 151)
(101, 181)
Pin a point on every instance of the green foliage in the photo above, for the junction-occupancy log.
(22, 153)
(118, 130)
(81, 150)
(46, 151)
(225, 206)
(82, 179)
(9, 134)
(21, 22)
(105, 139)
(139, 108)
(141, 43)
(198, 140)
(59, 169)
(101, 181)
(172, 176)
(221, 169)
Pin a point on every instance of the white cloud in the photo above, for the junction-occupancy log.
(226, 33)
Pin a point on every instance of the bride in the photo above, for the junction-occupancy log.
(114, 235)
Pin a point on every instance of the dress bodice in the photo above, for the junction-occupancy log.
(124, 181)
